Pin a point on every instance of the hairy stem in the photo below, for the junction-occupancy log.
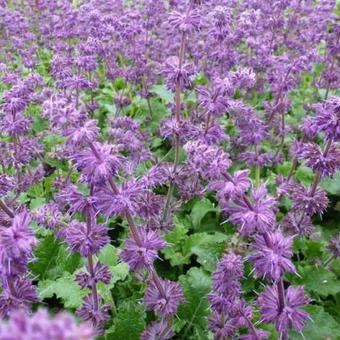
(7, 210)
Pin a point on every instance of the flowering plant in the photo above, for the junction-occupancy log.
(169, 169)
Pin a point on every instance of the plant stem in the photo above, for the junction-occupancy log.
(90, 265)
(177, 139)
(7, 210)
(281, 296)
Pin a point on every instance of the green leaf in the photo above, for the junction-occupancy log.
(304, 175)
(196, 285)
(108, 255)
(64, 288)
(37, 202)
(119, 272)
(200, 210)
(46, 254)
(129, 323)
(283, 169)
(162, 92)
(208, 255)
(332, 185)
(53, 259)
(320, 281)
(321, 327)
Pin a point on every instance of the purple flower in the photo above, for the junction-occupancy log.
(18, 240)
(40, 325)
(212, 102)
(221, 326)
(185, 21)
(174, 73)
(49, 216)
(84, 240)
(99, 163)
(318, 160)
(328, 118)
(101, 273)
(157, 330)
(166, 304)
(127, 198)
(222, 301)
(256, 215)
(182, 128)
(244, 78)
(228, 189)
(272, 255)
(209, 161)
(260, 335)
(19, 296)
(308, 200)
(84, 134)
(226, 278)
(298, 222)
(310, 128)
(142, 255)
(334, 245)
(98, 315)
(77, 201)
(6, 184)
(291, 316)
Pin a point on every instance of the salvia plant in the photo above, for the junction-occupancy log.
(169, 169)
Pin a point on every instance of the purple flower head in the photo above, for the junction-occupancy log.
(7, 184)
(174, 73)
(19, 296)
(221, 326)
(243, 78)
(82, 135)
(157, 330)
(292, 316)
(84, 240)
(18, 240)
(77, 201)
(126, 198)
(229, 189)
(310, 128)
(305, 199)
(166, 304)
(222, 301)
(325, 162)
(186, 21)
(212, 102)
(98, 315)
(272, 255)
(256, 215)
(101, 273)
(49, 216)
(98, 163)
(328, 118)
(142, 255)
(182, 128)
(209, 161)
(226, 278)
(15, 126)
(260, 335)
(41, 326)
(334, 245)
(251, 158)
(298, 222)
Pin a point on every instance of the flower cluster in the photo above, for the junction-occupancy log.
(118, 117)
(229, 311)
(41, 326)
(17, 244)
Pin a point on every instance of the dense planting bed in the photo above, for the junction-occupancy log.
(169, 169)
